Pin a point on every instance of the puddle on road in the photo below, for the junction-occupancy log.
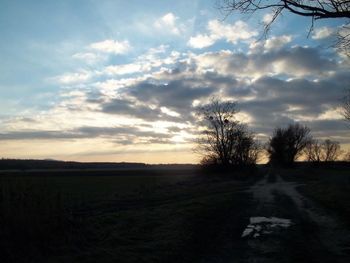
(261, 225)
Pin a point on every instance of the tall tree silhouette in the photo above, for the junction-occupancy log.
(287, 144)
(326, 151)
(224, 140)
(346, 106)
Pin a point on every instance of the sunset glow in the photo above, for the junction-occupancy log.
(119, 81)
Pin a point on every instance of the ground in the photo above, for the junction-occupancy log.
(296, 215)
(315, 235)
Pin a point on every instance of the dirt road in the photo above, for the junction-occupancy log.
(288, 227)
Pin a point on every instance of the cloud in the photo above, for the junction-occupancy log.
(168, 23)
(267, 18)
(323, 32)
(239, 31)
(232, 33)
(292, 62)
(145, 62)
(277, 102)
(111, 46)
(176, 95)
(128, 108)
(201, 41)
(275, 43)
(124, 69)
(157, 100)
(120, 134)
(272, 44)
(73, 78)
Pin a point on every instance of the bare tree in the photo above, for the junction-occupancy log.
(287, 144)
(315, 9)
(225, 141)
(346, 106)
(331, 150)
(215, 142)
(346, 156)
(313, 151)
(326, 151)
(246, 151)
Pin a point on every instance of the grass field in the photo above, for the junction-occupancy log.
(133, 216)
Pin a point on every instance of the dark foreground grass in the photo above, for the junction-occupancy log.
(125, 218)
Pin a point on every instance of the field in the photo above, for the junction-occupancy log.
(128, 217)
(173, 215)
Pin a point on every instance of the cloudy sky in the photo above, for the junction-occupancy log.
(115, 80)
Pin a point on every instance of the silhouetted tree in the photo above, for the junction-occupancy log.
(313, 151)
(287, 144)
(225, 141)
(246, 150)
(346, 106)
(346, 156)
(331, 150)
(316, 10)
(326, 151)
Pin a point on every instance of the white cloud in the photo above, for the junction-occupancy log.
(111, 46)
(123, 69)
(217, 30)
(274, 43)
(169, 112)
(73, 78)
(322, 32)
(267, 18)
(168, 22)
(201, 41)
(232, 33)
(144, 63)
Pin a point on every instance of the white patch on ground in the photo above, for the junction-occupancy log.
(261, 225)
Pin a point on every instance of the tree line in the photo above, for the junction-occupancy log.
(225, 141)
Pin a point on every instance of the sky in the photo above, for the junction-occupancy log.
(114, 80)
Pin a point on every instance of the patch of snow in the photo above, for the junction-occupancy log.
(247, 232)
(261, 225)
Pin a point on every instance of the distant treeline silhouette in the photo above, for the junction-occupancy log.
(18, 164)
(32, 164)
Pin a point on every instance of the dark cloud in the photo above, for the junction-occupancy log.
(127, 108)
(174, 129)
(121, 135)
(176, 95)
(32, 135)
(279, 102)
(297, 60)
